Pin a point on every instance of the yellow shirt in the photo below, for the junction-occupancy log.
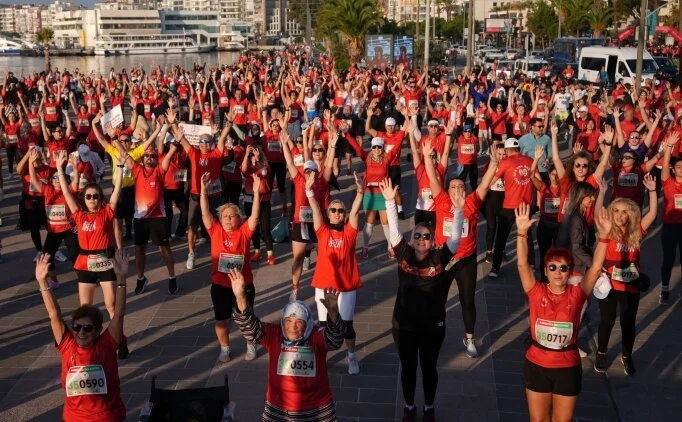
(135, 153)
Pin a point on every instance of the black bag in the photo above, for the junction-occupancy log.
(190, 405)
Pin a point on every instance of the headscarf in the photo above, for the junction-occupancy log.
(299, 310)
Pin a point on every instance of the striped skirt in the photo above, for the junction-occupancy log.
(323, 414)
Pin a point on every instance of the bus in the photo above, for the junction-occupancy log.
(567, 50)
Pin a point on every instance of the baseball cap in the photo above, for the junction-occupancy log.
(310, 165)
(542, 101)
(377, 141)
(390, 122)
(582, 109)
(602, 287)
(668, 117)
(511, 143)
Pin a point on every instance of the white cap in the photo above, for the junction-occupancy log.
(432, 122)
(542, 101)
(377, 141)
(602, 287)
(668, 117)
(310, 165)
(511, 143)
(390, 122)
(582, 109)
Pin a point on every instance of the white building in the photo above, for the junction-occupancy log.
(202, 25)
(75, 28)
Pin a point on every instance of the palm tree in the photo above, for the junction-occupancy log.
(44, 37)
(351, 20)
(600, 18)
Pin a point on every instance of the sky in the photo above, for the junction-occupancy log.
(86, 3)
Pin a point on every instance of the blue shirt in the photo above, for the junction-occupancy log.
(527, 143)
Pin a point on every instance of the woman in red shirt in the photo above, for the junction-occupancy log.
(552, 369)
(337, 266)
(623, 268)
(298, 381)
(671, 232)
(12, 126)
(32, 205)
(89, 365)
(230, 240)
(255, 163)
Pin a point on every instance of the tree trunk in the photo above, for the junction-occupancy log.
(48, 65)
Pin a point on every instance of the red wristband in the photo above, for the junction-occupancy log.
(601, 240)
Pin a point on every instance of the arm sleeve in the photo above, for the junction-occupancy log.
(454, 239)
(394, 231)
(249, 325)
(334, 333)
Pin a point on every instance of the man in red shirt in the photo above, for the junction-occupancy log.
(515, 171)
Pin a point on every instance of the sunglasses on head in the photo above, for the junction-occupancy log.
(377, 147)
(92, 196)
(318, 149)
(423, 236)
(563, 268)
(580, 166)
(85, 327)
(204, 141)
(337, 210)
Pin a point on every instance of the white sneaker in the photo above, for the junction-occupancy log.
(353, 364)
(306, 263)
(251, 352)
(37, 257)
(190, 261)
(53, 284)
(471, 351)
(60, 257)
(201, 241)
(224, 355)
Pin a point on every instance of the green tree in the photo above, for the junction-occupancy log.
(350, 20)
(600, 18)
(44, 36)
(542, 21)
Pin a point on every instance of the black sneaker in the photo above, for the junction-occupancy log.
(401, 215)
(139, 288)
(409, 415)
(494, 273)
(664, 297)
(172, 285)
(600, 362)
(429, 414)
(489, 256)
(628, 365)
(123, 349)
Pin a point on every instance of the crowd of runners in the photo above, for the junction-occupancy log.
(290, 120)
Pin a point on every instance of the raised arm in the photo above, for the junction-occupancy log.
(434, 184)
(206, 215)
(670, 143)
(603, 224)
(523, 225)
(537, 183)
(318, 217)
(255, 209)
(389, 193)
(606, 153)
(32, 157)
(115, 328)
(113, 199)
(649, 218)
(54, 312)
(354, 214)
(556, 160)
(284, 141)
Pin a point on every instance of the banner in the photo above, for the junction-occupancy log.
(403, 51)
(112, 120)
(193, 132)
(378, 51)
(495, 25)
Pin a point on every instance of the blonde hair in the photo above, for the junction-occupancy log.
(633, 234)
(228, 206)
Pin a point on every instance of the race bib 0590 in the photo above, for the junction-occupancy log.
(86, 380)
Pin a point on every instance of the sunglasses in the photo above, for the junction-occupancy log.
(150, 156)
(318, 149)
(124, 140)
(580, 166)
(92, 196)
(299, 141)
(377, 147)
(423, 236)
(634, 137)
(204, 141)
(337, 210)
(628, 157)
(55, 177)
(539, 127)
(86, 328)
(563, 268)
(432, 125)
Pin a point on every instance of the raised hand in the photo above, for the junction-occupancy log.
(649, 182)
(387, 189)
(205, 180)
(577, 147)
(256, 182)
(358, 184)
(602, 220)
(331, 301)
(238, 283)
(43, 267)
(554, 129)
(523, 220)
(458, 198)
(608, 133)
(121, 260)
(309, 180)
(540, 151)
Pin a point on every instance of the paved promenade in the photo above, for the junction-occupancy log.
(172, 337)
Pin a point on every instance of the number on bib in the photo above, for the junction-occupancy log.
(552, 334)
(56, 213)
(228, 261)
(628, 180)
(552, 205)
(305, 214)
(468, 148)
(296, 362)
(99, 263)
(86, 380)
(180, 175)
(625, 275)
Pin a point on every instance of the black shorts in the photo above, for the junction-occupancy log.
(394, 174)
(194, 209)
(54, 240)
(126, 203)
(224, 300)
(92, 277)
(298, 230)
(561, 381)
(151, 227)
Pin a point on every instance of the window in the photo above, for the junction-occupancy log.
(623, 70)
(648, 65)
(592, 63)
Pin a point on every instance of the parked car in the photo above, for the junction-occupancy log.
(666, 68)
(619, 63)
(512, 54)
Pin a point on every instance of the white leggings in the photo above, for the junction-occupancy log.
(346, 305)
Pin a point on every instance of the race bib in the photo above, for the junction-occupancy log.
(147, 108)
(214, 186)
(305, 214)
(625, 275)
(299, 160)
(426, 195)
(12, 139)
(413, 106)
(274, 146)
(34, 122)
(228, 261)
(628, 180)
(448, 226)
(99, 263)
(389, 148)
(678, 201)
(56, 213)
(180, 175)
(239, 109)
(468, 148)
(86, 380)
(127, 171)
(552, 334)
(552, 205)
(50, 110)
(294, 113)
(223, 101)
(84, 123)
(230, 168)
(296, 361)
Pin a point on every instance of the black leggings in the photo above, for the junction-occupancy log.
(465, 272)
(506, 221)
(629, 302)
(426, 346)
(11, 153)
(278, 170)
(671, 240)
(546, 233)
(32, 216)
(177, 197)
(472, 171)
(491, 209)
(222, 111)
(264, 224)
(231, 192)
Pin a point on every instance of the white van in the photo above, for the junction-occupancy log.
(620, 63)
(530, 66)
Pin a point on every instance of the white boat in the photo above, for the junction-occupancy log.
(234, 41)
(111, 45)
(9, 47)
(233, 46)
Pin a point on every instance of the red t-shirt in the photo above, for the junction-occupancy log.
(98, 365)
(499, 122)
(445, 220)
(239, 108)
(515, 170)
(210, 162)
(264, 189)
(51, 111)
(412, 100)
(467, 149)
(628, 184)
(177, 171)
(590, 142)
(424, 194)
(550, 200)
(95, 233)
(393, 142)
(672, 201)
(53, 147)
(57, 210)
(337, 266)
(148, 191)
(554, 323)
(43, 173)
(230, 250)
(273, 148)
(302, 211)
(622, 265)
(232, 171)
